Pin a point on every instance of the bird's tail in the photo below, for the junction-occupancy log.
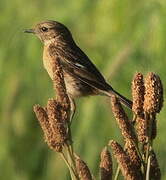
(122, 99)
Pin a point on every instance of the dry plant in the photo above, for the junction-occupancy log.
(55, 121)
(137, 159)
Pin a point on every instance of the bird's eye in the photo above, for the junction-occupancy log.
(44, 29)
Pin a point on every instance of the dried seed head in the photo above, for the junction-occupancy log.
(59, 86)
(128, 170)
(122, 119)
(42, 117)
(54, 111)
(82, 169)
(60, 135)
(57, 124)
(58, 79)
(49, 135)
(55, 120)
(138, 91)
(142, 129)
(55, 132)
(155, 172)
(153, 94)
(106, 165)
(133, 154)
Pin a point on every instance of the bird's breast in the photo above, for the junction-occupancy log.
(74, 86)
(47, 62)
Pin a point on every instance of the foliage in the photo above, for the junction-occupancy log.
(121, 37)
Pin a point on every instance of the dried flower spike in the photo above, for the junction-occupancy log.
(153, 94)
(106, 165)
(133, 154)
(54, 111)
(60, 88)
(128, 170)
(42, 117)
(155, 172)
(55, 130)
(138, 91)
(49, 135)
(58, 81)
(122, 119)
(58, 125)
(142, 129)
(82, 169)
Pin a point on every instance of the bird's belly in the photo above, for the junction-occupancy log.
(77, 88)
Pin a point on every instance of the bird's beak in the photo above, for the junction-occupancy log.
(29, 31)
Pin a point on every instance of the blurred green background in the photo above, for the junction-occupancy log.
(120, 37)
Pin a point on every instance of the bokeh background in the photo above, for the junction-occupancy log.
(120, 37)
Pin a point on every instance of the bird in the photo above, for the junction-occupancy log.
(81, 76)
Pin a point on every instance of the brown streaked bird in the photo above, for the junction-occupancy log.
(81, 76)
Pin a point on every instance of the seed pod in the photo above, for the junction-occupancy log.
(155, 172)
(133, 154)
(82, 169)
(106, 165)
(142, 129)
(55, 132)
(122, 120)
(126, 166)
(153, 94)
(138, 91)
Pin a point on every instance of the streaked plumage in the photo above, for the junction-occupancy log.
(81, 76)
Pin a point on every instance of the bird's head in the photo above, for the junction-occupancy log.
(51, 31)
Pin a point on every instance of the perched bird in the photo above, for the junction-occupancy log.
(81, 76)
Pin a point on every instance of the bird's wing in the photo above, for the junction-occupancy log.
(78, 64)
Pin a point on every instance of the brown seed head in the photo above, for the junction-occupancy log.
(142, 129)
(53, 110)
(57, 123)
(82, 169)
(146, 127)
(59, 85)
(155, 172)
(59, 137)
(138, 91)
(122, 119)
(55, 131)
(153, 94)
(56, 112)
(128, 170)
(106, 165)
(49, 135)
(58, 78)
(42, 117)
(133, 154)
